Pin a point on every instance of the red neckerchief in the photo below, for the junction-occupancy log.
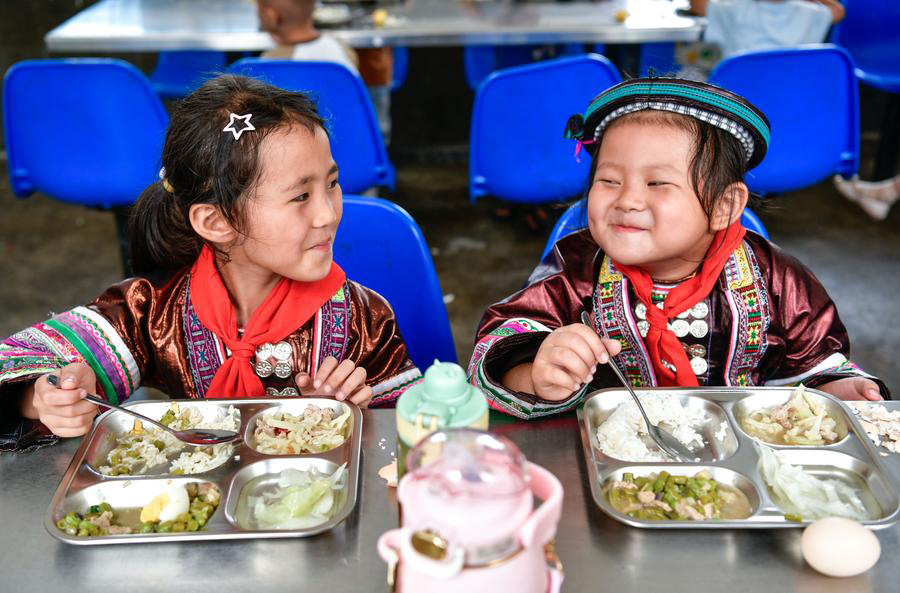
(288, 306)
(662, 343)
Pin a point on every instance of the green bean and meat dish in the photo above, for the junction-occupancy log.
(664, 497)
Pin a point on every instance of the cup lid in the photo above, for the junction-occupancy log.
(444, 399)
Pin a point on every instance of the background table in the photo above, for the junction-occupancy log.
(599, 554)
(232, 25)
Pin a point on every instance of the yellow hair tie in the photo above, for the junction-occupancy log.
(168, 186)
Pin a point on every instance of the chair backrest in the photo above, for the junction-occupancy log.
(516, 150)
(479, 61)
(400, 56)
(87, 131)
(811, 97)
(870, 33)
(380, 246)
(179, 73)
(574, 218)
(342, 98)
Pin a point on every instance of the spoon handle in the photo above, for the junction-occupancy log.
(54, 380)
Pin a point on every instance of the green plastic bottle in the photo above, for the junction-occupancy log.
(443, 400)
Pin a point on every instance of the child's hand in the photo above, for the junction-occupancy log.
(853, 388)
(63, 409)
(341, 380)
(567, 359)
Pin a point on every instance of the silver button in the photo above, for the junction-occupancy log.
(264, 352)
(683, 315)
(680, 327)
(264, 368)
(290, 392)
(700, 310)
(282, 370)
(699, 328)
(695, 350)
(641, 311)
(271, 392)
(699, 365)
(643, 327)
(282, 351)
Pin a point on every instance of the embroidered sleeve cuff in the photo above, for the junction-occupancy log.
(515, 342)
(836, 366)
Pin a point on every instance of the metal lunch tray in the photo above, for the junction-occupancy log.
(83, 485)
(733, 460)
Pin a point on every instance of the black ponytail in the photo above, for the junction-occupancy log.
(161, 234)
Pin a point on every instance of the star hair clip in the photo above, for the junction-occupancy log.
(244, 123)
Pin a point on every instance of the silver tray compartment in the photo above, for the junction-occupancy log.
(853, 459)
(764, 401)
(722, 475)
(83, 484)
(296, 407)
(598, 409)
(113, 424)
(876, 493)
(261, 476)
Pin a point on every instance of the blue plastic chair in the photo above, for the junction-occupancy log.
(179, 73)
(871, 33)
(480, 61)
(516, 150)
(811, 98)
(85, 131)
(356, 142)
(575, 218)
(401, 65)
(380, 246)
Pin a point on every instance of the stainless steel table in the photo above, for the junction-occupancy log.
(599, 554)
(232, 25)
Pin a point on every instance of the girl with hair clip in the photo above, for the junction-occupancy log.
(240, 295)
(677, 292)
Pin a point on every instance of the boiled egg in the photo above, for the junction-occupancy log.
(166, 506)
(839, 547)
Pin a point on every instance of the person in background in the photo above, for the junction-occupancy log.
(239, 294)
(675, 291)
(874, 197)
(738, 25)
(291, 25)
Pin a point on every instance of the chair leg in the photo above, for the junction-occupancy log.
(122, 215)
(886, 159)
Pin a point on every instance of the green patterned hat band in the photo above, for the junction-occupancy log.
(705, 102)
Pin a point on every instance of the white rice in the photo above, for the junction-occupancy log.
(191, 460)
(619, 436)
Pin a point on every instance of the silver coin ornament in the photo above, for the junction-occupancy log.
(264, 368)
(680, 327)
(265, 351)
(643, 327)
(699, 328)
(700, 310)
(282, 351)
(641, 311)
(699, 365)
(283, 370)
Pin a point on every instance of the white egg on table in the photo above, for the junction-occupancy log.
(839, 547)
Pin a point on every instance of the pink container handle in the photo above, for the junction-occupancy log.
(389, 546)
(540, 528)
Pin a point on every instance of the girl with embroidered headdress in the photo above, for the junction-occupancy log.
(240, 297)
(677, 292)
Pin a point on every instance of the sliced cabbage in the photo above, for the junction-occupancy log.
(800, 493)
(302, 499)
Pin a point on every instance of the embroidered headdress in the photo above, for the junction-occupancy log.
(703, 101)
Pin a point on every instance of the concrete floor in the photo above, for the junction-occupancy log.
(57, 255)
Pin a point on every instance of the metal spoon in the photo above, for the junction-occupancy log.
(191, 436)
(663, 439)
